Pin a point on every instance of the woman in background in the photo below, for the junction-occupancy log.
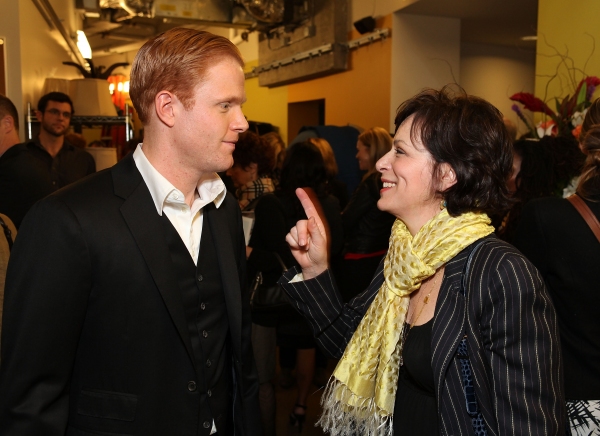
(335, 187)
(558, 241)
(253, 163)
(366, 228)
(275, 214)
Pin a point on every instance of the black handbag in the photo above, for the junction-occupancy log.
(269, 303)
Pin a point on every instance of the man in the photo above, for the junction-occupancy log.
(23, 178)
(125, 308)
(64, 162)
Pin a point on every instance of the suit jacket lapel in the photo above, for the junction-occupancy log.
(449, 322)
(143, 221)
(218, 222)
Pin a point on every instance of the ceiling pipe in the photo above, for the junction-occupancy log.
(53, 21)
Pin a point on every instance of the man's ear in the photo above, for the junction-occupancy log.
(38, 115)
(7, 124)
(164, 106)
(447, 177)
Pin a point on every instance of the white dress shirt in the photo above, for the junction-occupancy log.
(170, 200)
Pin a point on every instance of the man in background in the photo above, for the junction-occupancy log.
(23, 178)
(63, 162)
(125, 303)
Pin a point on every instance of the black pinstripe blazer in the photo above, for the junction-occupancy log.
(510, 324)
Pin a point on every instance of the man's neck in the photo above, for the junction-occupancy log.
(52, 144)
(183, 179)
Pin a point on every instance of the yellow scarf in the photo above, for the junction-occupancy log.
(359, 398)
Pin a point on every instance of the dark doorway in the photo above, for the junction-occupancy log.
(305, 113)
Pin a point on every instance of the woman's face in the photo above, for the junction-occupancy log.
(362, 155)
(241, 176)
(408, 186)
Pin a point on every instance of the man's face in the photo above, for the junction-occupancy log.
(56, 118)
(206, 134)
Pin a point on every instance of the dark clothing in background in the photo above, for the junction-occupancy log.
(69, 165)
(24, 180)
(366, 235)
(557, 240)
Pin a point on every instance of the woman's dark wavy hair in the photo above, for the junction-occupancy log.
(250, 149)
(467, 133)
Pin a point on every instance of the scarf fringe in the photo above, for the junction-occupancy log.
(341, 419)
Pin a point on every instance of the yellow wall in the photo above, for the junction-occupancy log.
(566, 27)
(264, 104)
(360, 95)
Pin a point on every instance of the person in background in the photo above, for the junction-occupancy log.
(278, 145)
(23, 179)
(456, 334)
(336, 187)
(126, 309)
(366, 228)
(540, 168)
(275, 214)
(253, 163)
(559, 242)
(63, 162)
(8, 233)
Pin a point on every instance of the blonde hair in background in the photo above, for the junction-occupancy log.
(175, 61)
(328, 156)
(379, 142)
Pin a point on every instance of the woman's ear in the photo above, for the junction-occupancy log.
(447, 177)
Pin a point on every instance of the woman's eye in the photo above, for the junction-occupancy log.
(398, 151)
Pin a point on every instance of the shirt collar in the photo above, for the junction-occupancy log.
(210, 188)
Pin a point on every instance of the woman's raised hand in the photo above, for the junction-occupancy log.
(308, 239)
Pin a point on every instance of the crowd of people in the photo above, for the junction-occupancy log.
(454, 288)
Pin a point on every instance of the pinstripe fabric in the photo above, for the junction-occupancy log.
(512, 335)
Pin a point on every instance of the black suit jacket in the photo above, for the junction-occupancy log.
(511, 330)
(95, 339)
(557, 240)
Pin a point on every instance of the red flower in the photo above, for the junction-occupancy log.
(531, 102)
(592, 81)
(576, 131)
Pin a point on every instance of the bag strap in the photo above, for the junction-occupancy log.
(463, 355)
(7, 233)
(586, 213)
(280, 260)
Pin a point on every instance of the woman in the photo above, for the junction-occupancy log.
(557, 240)
(253, 162)
(540, 168)
(335, 187)
(423, 341)
(366, 228)
(275, 214)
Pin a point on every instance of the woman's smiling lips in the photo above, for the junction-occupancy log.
(386, 185)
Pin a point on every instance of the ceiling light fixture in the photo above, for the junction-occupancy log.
(529, 38)
(83, 45)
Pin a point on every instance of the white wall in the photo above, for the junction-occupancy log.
(425, 54)
(495, 73)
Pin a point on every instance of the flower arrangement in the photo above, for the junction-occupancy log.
(569, 114)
